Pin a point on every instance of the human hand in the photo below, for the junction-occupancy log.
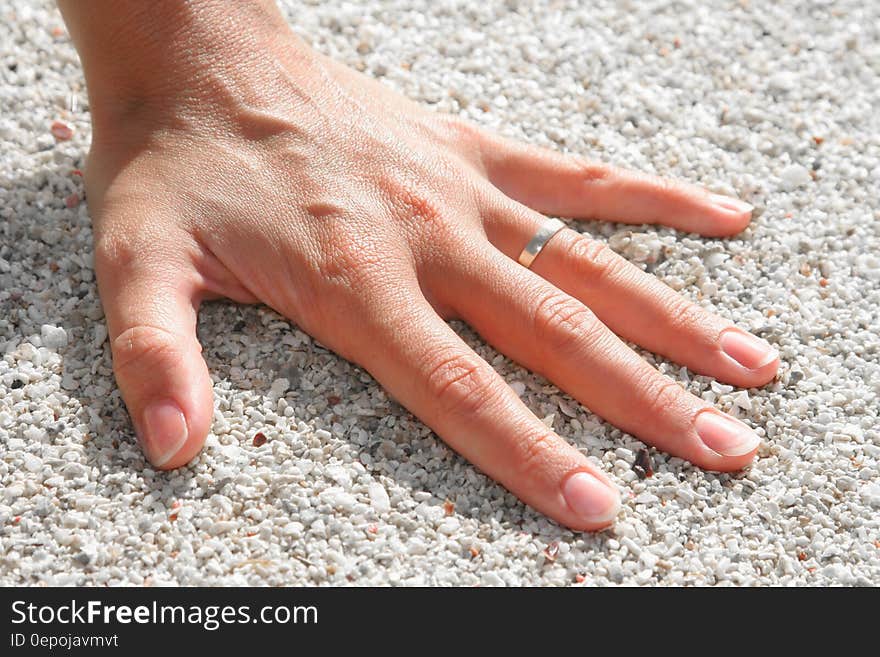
(240, 163)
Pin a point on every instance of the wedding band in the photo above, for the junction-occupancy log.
(547, 230)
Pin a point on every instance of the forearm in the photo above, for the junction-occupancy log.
(139, 54)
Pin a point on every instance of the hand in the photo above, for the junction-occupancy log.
(248, 166)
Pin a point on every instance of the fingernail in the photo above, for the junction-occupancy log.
(164, 433)
(592, 500)
(731, 204)
(725, 435)
(748, 350)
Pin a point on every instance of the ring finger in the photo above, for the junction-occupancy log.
(634, 304)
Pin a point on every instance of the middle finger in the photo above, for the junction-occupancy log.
(557, 336)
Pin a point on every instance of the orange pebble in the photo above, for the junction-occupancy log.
(61, 131)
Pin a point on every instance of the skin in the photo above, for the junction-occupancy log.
(230, 160)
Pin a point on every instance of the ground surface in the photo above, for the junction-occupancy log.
(774, 101)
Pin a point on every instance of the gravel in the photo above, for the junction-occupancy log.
(775, 102)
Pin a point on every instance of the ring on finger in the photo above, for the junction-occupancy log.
(543, 235)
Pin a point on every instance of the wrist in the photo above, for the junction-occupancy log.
(156, 60)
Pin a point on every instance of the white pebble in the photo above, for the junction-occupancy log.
(53, 337)
(293, 529)
(646, 498)
(871, 494)
(33, 463)
(379, 498)
(741, 400)
(449, 526)
(221, 527)
(794, 176)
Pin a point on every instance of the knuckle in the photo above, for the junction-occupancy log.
(660, 395)
(460, 131)
(590, 171)
(459, 383)
(535, 453)
(429, 215)
(140, 347)
(114, 253)
(463, 138)
(125, 248)
(685, 315)
(347, 261)
(593, 260)
(564, 325)
(662, 184)
(419, 207)
(668, 187)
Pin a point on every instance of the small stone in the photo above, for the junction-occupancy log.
(379, 498)
(638, 247)
(794, 176)
(449, 526)
(85, 502)
(61, 131)
(293, 529)
(643, 465)
(492, 579)
(339, 499)
(84, 558)
(685, 495)
(615, 573)
(649, 559)
(32, 463)
(631, 545)
(279, 387)
(100, 332)
(13, 492)
(53, 337)
(715, 259)
(221, 527)
(741, 400)
(871, 495)
(782, 82)
(845, 483)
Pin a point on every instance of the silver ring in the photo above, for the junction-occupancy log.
(543, 235)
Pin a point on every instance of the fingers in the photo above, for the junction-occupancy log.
(635, 304)
(570, 186)
(150, 301)
(427, 367)
(554, 334)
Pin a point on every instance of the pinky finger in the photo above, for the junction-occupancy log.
(570, 186)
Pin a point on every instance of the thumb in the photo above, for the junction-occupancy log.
(151, 303)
